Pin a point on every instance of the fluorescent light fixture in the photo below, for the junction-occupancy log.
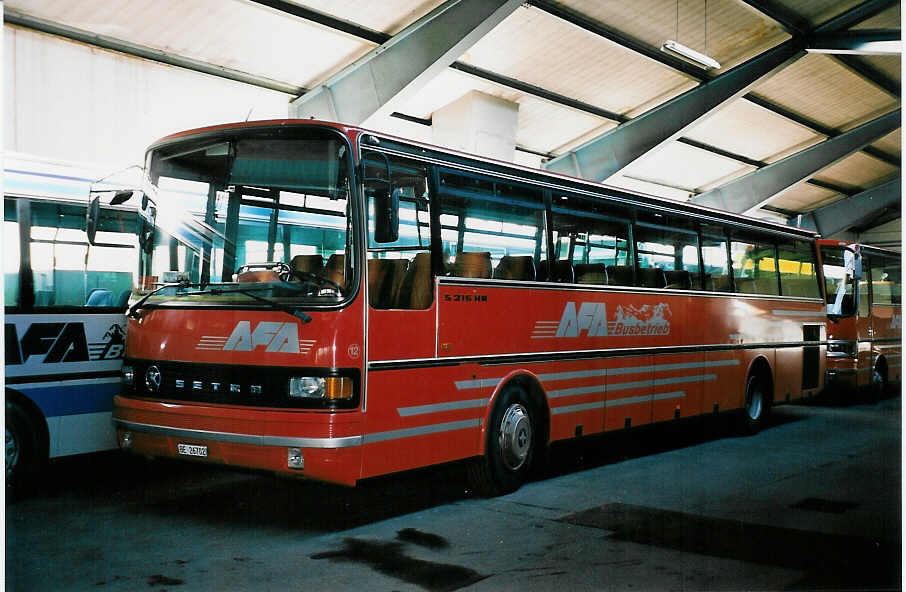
(690, 54)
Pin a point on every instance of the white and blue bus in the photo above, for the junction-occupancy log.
(65, 299)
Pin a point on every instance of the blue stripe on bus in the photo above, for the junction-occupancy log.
(58, 400)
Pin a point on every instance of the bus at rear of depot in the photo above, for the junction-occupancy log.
(865, 318)
(349, 305)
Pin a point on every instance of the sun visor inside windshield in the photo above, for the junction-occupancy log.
(303, 166)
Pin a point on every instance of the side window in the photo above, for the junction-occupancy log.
(715, 262)
(590, 242)
(491, 228)
(885, 280)
(70, 272)
(667, 251)
(10, 253)
(399, 273)
(754, 265)
(798, 273)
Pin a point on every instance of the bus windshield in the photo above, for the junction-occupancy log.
(263, 210)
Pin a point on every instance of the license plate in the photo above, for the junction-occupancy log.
(192, 450)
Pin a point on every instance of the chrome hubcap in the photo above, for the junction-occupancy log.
(515, 436)
(12, 452)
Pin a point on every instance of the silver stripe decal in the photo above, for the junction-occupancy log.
(438, 407)
(619, 386)
(556, 376)
(577, 408)
(570, 375)
(462, 385)
(421, 430)
(232, 438)
(645, 399)
(581, 390)
(617, 402)
(798, 313)
(25, 386)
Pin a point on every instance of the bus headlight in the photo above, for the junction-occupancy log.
(328, 388)
(127, 375)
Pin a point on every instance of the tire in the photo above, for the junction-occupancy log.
(510, 447)
(22, 462)
(756, 406)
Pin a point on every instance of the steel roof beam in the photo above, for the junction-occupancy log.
(755, 189)
(393, 71)
(617, 148)
(857, 42)
(14, 17)
(856, 211)
(824, 37)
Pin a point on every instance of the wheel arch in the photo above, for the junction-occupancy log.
(761, 367)
(530, 383)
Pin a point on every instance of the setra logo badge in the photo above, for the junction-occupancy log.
(152, 379)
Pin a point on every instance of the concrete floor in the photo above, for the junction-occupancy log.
(813, 502)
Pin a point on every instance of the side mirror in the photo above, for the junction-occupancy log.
(386, 215)
(93, 217)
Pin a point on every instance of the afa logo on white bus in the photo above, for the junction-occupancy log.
(590, 319)
(62, 342)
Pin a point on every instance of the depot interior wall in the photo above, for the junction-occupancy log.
(68, 101)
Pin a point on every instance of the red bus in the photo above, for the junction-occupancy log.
(865, 319)
(352, 305)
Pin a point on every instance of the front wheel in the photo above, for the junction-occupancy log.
(510, 446)
(21, 451)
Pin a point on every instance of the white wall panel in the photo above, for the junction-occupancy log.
(68, 101)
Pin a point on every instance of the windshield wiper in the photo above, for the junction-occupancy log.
(140, 304)
(250, 293)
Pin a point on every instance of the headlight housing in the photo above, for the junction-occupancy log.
(323, 388)
(127, 375)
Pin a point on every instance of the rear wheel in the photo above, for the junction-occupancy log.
(21, 450)
(878, 381)
(757, 405)
(510, 446)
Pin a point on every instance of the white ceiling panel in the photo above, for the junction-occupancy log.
(750, 130)
(820, 11)
(892, 143)
(735, 32)
(822, 89)
(233, 34)
(535, 115)
(685, 167)
(858, 170)
(389, 16)
(804, 197)
(887, 19)
(537, 48)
